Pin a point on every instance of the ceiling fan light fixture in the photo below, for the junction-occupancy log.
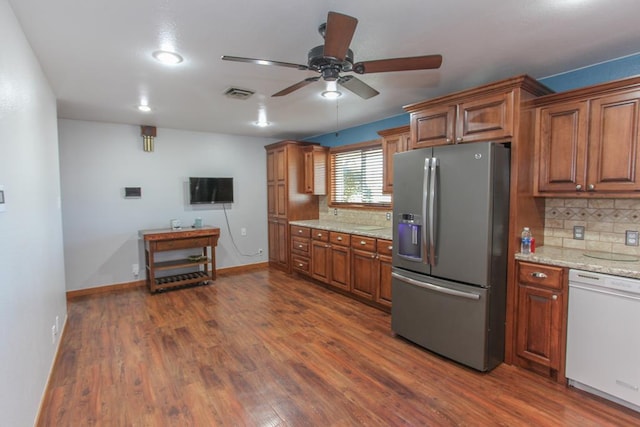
(166, 57)
(144, 108)
(331, 94)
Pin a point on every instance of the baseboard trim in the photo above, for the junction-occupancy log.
(104, 289)
(228, 271)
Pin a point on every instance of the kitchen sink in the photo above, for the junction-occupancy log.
(612, 257)
(368, 227)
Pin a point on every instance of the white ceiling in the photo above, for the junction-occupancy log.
(97, 54)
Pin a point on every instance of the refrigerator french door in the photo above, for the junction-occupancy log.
(451, 209)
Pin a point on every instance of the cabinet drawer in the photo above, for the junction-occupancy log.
(322, 235)
(342, 239)
(170, 245)
(300, 264)
(384, 247)
(296, 230)
(364, 243)
(300, 245)
(541, 275)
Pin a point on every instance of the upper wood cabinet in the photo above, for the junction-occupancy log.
(587, 141)
(395, 140)
(315, 170)
(482, 114)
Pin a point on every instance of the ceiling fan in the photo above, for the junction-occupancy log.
(335, 57)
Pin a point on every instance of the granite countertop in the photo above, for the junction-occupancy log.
(599, 262)
(345, 227)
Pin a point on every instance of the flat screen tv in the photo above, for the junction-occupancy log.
(210, 190)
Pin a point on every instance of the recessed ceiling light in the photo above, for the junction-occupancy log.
(262, 124)
(144, 108)
(166, 57)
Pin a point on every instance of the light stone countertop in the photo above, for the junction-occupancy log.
(345, 227)
(617, 264)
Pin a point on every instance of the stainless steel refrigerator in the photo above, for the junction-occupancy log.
(450, 227)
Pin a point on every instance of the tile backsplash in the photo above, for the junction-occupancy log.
(354, 216)
(605, 222)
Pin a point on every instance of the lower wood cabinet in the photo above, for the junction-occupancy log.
(541, 318)
(357, 265)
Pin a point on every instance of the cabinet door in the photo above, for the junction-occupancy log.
(308, 172)
(432, 126)
(340, 267)
(383, 292)
(390, 146)
(539, 325)
(613, 143)
(365, 274)
(278, 243)
(485, 119)
(320, 261)
(271, 166)
(561, 138)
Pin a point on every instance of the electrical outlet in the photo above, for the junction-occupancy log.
(260, 250)
(388, 216)
(335, 212)
(135, 269)
(631, 238)
(243, 231)
(53, 334)
(57, 324)
(578, 232)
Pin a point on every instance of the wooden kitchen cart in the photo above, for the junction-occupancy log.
(194, 269)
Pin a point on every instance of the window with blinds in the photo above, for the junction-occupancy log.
(356, 176)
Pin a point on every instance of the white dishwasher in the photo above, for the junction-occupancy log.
(603, 336)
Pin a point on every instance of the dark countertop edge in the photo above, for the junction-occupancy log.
(346, 227)
(575, 258)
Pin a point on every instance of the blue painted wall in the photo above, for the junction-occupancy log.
(593, 74)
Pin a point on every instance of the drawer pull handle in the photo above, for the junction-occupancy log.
(319, 234)
(299, 231)
(390, 248)
(362, 242)
(299, 265)
(300, 246)
(554, 297)
(339, 239)
(539, 275)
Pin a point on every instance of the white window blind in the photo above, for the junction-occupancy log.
(356, 177)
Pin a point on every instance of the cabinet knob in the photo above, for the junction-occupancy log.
(339, 239)
(299, 265)
(300, 246)
(373, 256)
(554, 297)
(319, 234)
(448, 141)
(362, 242)
(327, 246)
(390, 248)
(578, 187)
(299, 231)
(459, 139)
(591, 187)
(539, 275)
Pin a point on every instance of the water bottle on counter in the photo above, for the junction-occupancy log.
(525, 241)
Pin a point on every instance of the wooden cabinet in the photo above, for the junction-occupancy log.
(395, 140)
(315, 169)
(330, 258)
(188, 270)
(365, 272)
(587, 142)
(301, 249)
(286, 198)
(541, 318)
(383, 288)
(479, 115)
(320, 256)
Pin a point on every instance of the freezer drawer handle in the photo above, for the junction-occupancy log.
(436, 288)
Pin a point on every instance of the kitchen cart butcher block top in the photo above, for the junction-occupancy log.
(180, 233)
(601, 262)
(376, 231)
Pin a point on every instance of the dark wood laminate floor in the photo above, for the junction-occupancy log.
(265, 349)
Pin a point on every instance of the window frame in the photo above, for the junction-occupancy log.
(360, 146)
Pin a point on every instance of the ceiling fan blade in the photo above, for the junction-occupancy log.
(427, 62)
(264, 62)
(357, 86)
(338, 35)
(296, 86)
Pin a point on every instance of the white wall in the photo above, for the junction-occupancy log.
(101, 227)
(31, 251)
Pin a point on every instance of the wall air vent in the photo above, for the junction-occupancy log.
(237, 93)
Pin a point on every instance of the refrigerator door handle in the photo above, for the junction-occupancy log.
(425, 200)
(432, 210)
(436, 288)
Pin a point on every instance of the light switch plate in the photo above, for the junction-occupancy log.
(631, 238)
(578, 232)
(3, 204)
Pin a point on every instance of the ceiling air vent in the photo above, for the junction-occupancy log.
(237, 93)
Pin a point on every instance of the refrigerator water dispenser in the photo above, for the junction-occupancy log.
(410, 236)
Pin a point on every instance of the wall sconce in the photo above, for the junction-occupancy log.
(148, 133)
